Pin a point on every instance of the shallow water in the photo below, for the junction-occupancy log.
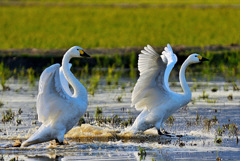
(95, 141)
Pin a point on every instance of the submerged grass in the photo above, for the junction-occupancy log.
(7, 116)
(93, 27)
(5, 74)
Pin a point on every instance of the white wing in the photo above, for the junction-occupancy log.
(151, 87)
(64, 81)
(50, 94)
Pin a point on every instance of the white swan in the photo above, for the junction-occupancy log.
(58, 109)
(152, 94)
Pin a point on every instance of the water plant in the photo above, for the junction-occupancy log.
(195, 84)
(230, 97)
(235, 86)
(20, 111)
(170, 120)
(98, 115)
(132, 65)
(225, 87)
(218, 140)
(204, 95)
(109, 77)
(211, 100)
(7, 116)
(219, 131)
(81, 121)
(31, 76)
(1, 104)
(233, 130)
(208, 123)
(5, 74)
(142, 153)
(84, 72)
(93, 84)
(18, 121)
(198, 118)
(21, 74)
(119, 98)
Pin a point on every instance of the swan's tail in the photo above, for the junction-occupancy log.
(41, 135)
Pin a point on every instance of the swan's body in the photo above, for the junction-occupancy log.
(58, 108)
(152, 94)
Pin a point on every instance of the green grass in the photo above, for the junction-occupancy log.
(90, 27)
(131, 2)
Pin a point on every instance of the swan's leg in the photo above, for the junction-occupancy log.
(60, 137)
(161, 131)
(159, 127)
(58, 142)
(164, 132)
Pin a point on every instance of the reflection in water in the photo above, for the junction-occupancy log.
(48, 157)
(91, 155)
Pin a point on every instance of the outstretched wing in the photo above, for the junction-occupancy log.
(51, 93)
(151, 86)
(64, 81)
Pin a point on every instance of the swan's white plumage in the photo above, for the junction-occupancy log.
(51, 90)
(57, 108)
(64, 81)
(152, 83)
(152, 94)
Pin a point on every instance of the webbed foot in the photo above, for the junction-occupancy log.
(58, 143)
(165, 133)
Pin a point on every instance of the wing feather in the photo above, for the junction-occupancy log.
(50, 92)
(151, 87)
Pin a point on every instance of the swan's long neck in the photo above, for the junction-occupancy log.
(183, 82)
(79, 89)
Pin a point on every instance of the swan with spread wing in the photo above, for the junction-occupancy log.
(152, 94)
(57, 107)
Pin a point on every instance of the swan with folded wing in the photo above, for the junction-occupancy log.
(152, 94)
(57, 107)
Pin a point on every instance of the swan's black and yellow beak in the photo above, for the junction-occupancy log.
(83, 53)
(204, 59)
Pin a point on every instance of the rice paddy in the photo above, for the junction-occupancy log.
(40, 26)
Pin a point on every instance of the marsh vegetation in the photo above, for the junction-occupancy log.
(210, 119)
(209, 124)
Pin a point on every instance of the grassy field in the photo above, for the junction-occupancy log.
(168, 2)
(47, 27)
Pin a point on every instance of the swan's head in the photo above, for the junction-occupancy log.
(196, 58)
(77, 51)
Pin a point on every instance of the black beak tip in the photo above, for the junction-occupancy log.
(86, 55)
(204, 59)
